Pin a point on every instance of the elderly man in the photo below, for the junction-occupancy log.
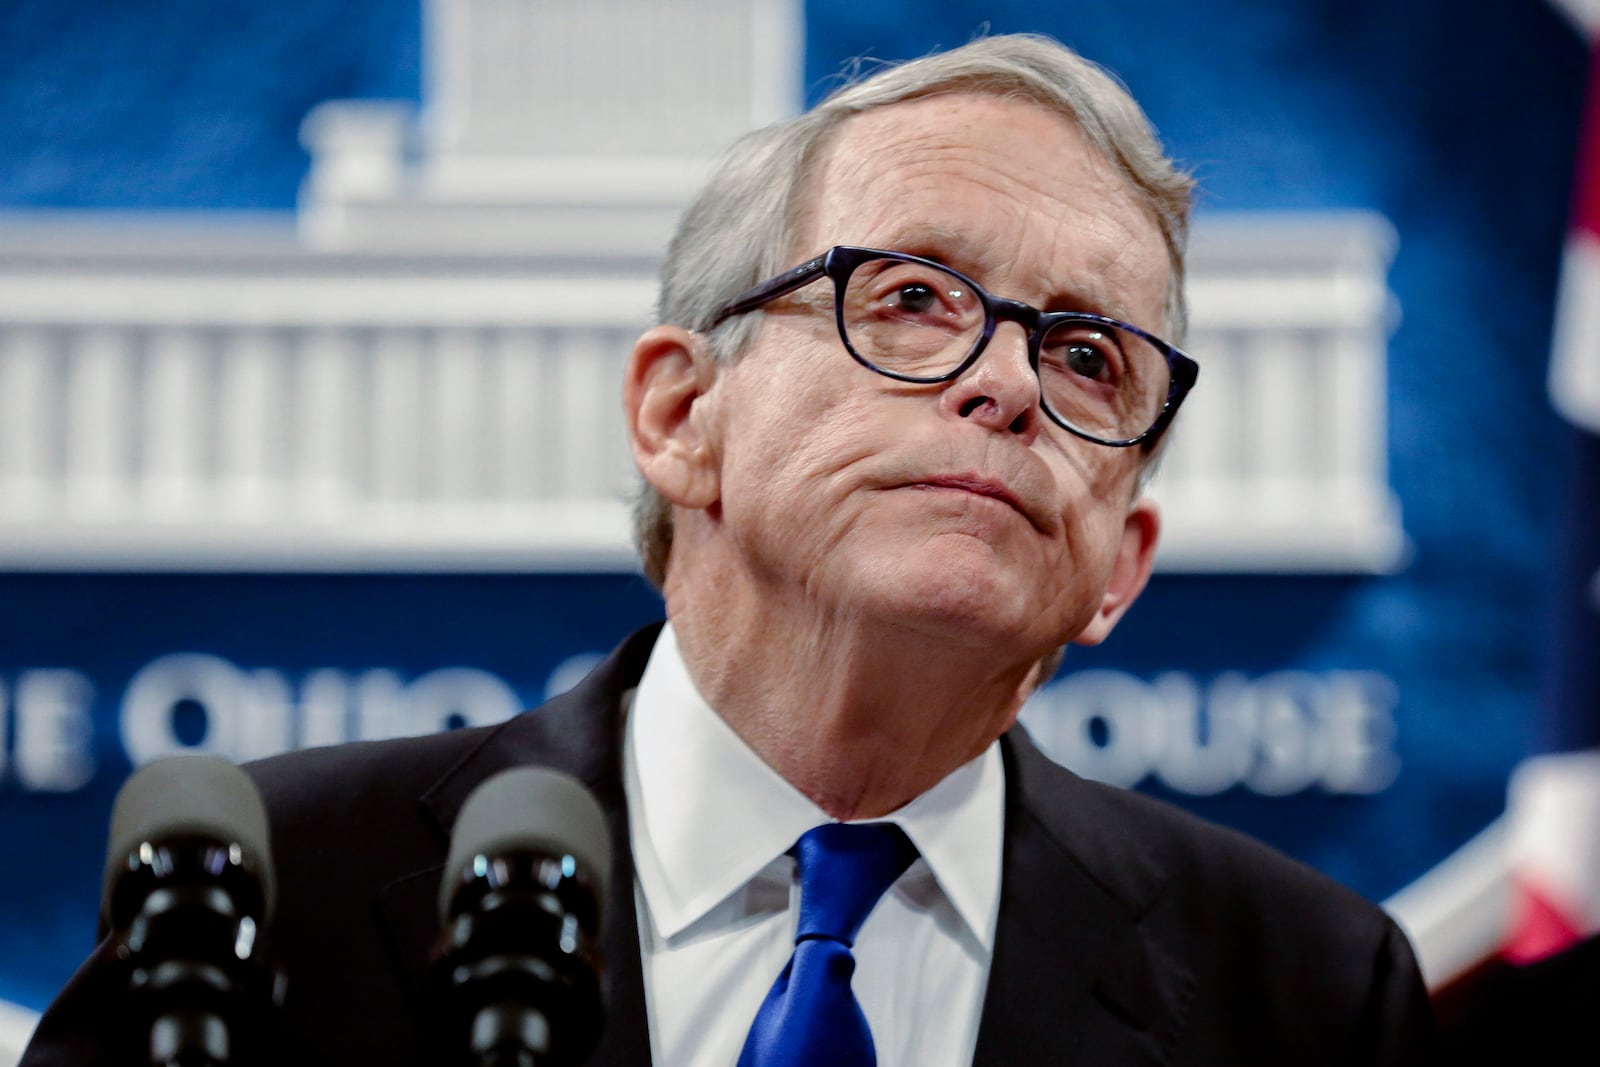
(893, 426)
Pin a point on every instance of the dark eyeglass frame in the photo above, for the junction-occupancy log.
(840, 261)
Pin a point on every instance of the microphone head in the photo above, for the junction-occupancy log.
(529, 809)
(195, 797)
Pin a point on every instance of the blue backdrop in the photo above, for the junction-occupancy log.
(1458, 124)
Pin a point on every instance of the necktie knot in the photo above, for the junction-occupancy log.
(844, 869)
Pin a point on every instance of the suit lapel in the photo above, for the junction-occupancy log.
(578, 732)
(1074, 978)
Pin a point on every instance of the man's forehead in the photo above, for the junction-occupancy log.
(978, 180)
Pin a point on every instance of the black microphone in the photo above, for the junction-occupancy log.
(516, 975)
(187, 896)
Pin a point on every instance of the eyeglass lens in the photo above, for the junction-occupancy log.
(916, 321)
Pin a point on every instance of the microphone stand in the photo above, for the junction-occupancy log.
(195, 974)
(514, 980)
(507, 1033)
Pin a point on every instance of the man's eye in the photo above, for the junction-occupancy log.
(1086, 360)
(915, 297)
(1087, 355)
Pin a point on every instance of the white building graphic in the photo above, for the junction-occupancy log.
(422, 370)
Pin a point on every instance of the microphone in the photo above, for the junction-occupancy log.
(187, 895)
(516, 974)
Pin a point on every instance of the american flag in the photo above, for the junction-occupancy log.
(1554, 798)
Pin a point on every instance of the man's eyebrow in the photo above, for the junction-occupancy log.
(942, 246)
(1075, 298)
(1075, 295)
(981, 263)
(955, 249)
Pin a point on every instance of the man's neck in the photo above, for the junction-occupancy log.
(860, 716)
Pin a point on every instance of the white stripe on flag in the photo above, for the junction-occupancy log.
(1554, 808)
(1575, 349)
(1584, 15)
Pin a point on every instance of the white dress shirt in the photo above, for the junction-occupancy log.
(716, 894)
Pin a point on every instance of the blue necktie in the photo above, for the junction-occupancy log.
(810, 1017)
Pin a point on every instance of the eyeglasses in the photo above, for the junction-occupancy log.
(916, 320)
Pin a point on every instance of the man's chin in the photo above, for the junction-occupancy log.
(963, 601)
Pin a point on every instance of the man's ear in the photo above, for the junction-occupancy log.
(1135, 556)
(669, 416)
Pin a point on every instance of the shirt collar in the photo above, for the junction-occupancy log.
(707, 815)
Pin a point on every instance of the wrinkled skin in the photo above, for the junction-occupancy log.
(866, 571)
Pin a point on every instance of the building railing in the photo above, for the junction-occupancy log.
(239, 402)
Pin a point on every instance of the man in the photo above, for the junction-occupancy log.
(893, 426)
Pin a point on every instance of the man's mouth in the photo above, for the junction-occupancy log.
(975, 484)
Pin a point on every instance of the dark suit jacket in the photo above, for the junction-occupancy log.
(1129, 932)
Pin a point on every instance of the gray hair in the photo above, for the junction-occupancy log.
(741, 227)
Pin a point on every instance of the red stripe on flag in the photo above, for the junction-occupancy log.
(1586, 190)
(1538, 925)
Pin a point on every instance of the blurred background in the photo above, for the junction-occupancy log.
(312, 319)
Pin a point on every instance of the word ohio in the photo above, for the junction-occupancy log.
(1274, 735)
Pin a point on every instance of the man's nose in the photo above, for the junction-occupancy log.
(1000, 391)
